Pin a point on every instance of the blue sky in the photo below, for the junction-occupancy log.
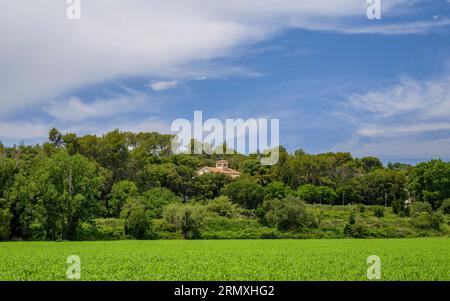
(336, 80)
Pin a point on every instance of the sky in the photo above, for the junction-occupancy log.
(336, 80)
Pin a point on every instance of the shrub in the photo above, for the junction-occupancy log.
(244, 192)
(445, 207)
(361, 208)
(399, 208)
(156, 199)
(276, 190)
(352, 218)
(5, 229)
(186, 218)
(136, 221)
(420, 207)
(120, 193)
(378, 211)
(355, 230)
(287, 214)
(426, 220)
(222, 206)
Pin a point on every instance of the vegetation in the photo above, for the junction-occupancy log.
(401, 259)
(124, 185)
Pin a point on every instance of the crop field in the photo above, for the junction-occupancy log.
(401, 259)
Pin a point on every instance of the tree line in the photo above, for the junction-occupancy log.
(48, 190)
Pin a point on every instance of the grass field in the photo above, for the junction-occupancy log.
(401, 259)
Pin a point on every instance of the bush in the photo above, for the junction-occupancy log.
(156, 199)
(222, 206)
(355, 230)
(399, 208)
(5, 229)
(136, 222)
(244, 192)
(287, 214)
(120, 193)
(426, 220)
(186, 218)
(378, 211)
(445, 207)
(361, 208)
(420, 207)
(276, 190)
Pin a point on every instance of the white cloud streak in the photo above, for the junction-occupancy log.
(45, 56)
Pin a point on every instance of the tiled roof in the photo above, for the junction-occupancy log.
(222, 170)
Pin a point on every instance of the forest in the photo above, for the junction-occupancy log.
(124, 185)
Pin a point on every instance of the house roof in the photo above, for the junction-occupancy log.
(222, 170)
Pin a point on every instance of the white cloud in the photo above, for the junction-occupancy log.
(45, 56)
(409, 119)
(18, 130)
(75, 109)
(164, 85)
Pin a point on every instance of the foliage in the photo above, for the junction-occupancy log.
(222, 206)
(289, 213)
(120, 193)
(378, 211)
(445, 207)
(244, 192)
(136, 220)
(430, 182)
(186, 218)
(420, 207)
(156, 199)
(5, 218)
(55, 196)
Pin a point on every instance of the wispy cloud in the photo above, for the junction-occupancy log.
(163, 85)
(411, 117)
(159, 39)
(75, 109)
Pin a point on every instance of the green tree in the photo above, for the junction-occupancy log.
(244, 192)
(120, 193)
(5, 228)
(186, 218)
(65, 187)
(136, 221)
(276, 190)
(309, 193)
(289, 213)
(222, 206)
(430, 182)
(157, 198)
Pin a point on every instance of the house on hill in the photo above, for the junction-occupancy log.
(221, 168)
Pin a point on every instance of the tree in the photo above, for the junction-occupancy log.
(222, 206)
(136, 221)
(309, 193)
(445, 207)
(430, 182)
(157, 198)
(420, 207)
(5, 228)
(120, 193)
(8, 170)
(186, 218)
(55, 196)
(289, 213)
(55, 137)
(208, 186)
(382, 187)
(244, 192)
(371, 163)
(276, 190)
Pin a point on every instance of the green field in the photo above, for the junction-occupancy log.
(401, 259)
